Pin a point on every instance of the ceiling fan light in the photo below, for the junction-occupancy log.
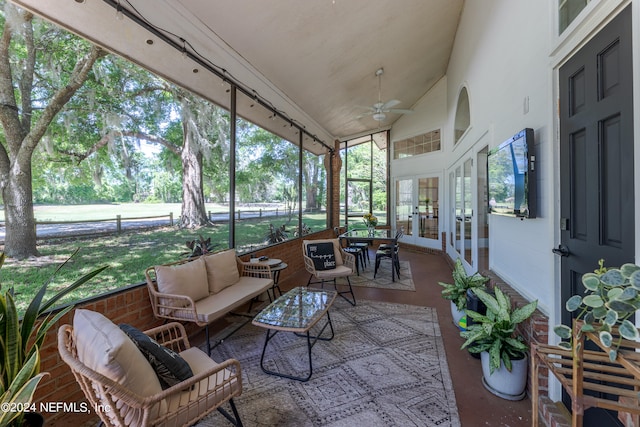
(379, 117)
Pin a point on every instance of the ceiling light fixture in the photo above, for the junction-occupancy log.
(379, 117)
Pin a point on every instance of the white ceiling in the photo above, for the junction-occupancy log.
(313, 59)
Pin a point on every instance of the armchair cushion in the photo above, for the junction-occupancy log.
(322, 254)
(222, 270)
(169, 366)
(337, 250)
(189, 279)
(104, 348)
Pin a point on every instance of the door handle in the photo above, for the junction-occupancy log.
(561, 250)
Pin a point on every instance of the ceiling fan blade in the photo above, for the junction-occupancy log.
(389, 104)
(371, 109)
(365, 114)
(399, 111)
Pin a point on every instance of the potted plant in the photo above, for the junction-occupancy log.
(456, 292)
(612, 296)
(503, 352)
(20, 342)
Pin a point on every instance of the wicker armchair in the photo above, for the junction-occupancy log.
(345, 267)
(212, 385)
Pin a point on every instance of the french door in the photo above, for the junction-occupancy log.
(417, 209)
(467, 216)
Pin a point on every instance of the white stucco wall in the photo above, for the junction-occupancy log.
(501, 56)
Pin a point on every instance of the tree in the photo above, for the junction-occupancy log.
(41, 68)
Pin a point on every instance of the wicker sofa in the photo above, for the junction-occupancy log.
(206, 288)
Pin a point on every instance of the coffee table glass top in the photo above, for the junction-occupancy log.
(297, 310)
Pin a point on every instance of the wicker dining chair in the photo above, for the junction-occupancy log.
(344, 267)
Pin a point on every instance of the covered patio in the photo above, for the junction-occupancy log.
(436, 86)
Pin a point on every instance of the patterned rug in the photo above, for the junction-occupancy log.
(383, 278)
(386, 366)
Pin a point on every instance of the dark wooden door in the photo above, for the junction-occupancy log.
(596, 163)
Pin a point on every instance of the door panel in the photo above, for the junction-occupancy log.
(596, 164)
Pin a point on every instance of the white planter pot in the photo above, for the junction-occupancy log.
(502, 383)
(456, 314)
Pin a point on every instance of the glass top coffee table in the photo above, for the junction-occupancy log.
(296, 311)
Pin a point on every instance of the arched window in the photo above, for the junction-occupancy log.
(463, 117)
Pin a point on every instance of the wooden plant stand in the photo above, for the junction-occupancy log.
(590, 371)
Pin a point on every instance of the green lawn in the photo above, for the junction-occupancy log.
(127, 255)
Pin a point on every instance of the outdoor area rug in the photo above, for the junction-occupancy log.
(383, 278)
(386, 366)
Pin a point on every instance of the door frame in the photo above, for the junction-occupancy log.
(414, 238)
(566, 45)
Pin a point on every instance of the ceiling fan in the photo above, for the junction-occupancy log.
(378, 110)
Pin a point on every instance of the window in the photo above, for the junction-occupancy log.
(363, 180)
(568, 10)
(421, 144)
(463, 115)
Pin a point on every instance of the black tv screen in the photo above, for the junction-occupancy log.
(511, 174)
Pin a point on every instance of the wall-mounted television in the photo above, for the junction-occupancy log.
(511, 177)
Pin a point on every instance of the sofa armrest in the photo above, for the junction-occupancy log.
(254, 269)
(169, 306)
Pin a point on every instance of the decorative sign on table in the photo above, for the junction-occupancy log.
(322, 254)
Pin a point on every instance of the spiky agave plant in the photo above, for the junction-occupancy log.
(21, 339)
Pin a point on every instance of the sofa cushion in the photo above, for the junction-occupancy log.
(222, 270)
(170, 368)
(323, 255)
(217, 305)
(104, 348)
(189, 279)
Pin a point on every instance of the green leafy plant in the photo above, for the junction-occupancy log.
(197, 247)
(495, 332)
(457, 291)
(21, 339)
(276, 234)
(612, 296)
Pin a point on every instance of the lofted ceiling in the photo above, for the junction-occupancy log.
(315, 60)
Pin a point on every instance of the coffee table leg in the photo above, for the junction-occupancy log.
(310, 345)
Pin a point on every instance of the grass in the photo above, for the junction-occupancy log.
(128, 255)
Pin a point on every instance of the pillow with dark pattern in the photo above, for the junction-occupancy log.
(322, 254)
(169, 366)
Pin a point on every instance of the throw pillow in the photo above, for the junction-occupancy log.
(222, 270)
(188, 279)
(170, 368)
(323, 255)
(104, 348)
